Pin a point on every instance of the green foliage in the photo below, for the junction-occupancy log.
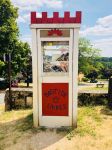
(106, 61)
(9, 40)
(20, 57)
(8, 26)
(2, 64)
(85, 79)
(93, 76)
(88, 56)
(93, 100)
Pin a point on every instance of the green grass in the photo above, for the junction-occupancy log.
(2, 108)
(14, 115)
(95, 88)
(24, 84)
(88, 120)
(25, 124)
(9, 121)
(15, 124)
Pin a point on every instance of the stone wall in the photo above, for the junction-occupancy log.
(21, 98)
(92, 99)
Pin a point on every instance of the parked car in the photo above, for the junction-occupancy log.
(4, 84)
(93, 81)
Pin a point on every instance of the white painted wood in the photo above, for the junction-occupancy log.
(40, 68)
(75, 75)
(55, 79)
(49, 26)
(39, 77)
(35, 76)
(55, 121)
(55, 39)
(54, 74)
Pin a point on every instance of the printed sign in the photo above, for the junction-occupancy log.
(55, 99)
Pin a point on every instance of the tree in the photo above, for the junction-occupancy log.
(93, 76)
(88, 57)
(27, 71)
(106, 73)
(9, 40)
(9, 32)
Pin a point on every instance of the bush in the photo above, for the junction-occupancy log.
(93, 81)
(85, 79)
(86, 99)
(109, 101)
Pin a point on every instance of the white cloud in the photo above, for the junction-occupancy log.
(105, 21)
(29, 5)
(20, 19)
(105, 45)
(103, 27)
(107, 41)
(33, 5)
(26, 38)
(53, 3)
(26, 18)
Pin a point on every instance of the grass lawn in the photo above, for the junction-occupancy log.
(94, 131)
(24, 84)
(94, 88)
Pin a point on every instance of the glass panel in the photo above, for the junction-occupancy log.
(55, 56)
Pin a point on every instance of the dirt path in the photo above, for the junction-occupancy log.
(50, 140)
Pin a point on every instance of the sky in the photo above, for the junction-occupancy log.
(96, 19)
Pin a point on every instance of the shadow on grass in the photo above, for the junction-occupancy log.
(106, 111)
(25, 124)
(12, 132)
(21, 131)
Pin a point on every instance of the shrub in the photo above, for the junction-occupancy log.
(86, 99)
(85, 79)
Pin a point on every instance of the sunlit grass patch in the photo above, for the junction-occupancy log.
(18, 124)
(88, 120)
(14, 115)
(2, 108)
(25, 85)
(105, 88)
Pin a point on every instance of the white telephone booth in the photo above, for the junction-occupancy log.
(55, 69)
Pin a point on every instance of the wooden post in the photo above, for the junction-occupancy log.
(7, 58)
(9, 76)
(110, 93)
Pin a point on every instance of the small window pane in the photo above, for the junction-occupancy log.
(55, 56)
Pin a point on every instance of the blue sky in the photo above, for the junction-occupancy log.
(96, 19)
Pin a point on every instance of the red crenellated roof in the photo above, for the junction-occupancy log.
(55, 19)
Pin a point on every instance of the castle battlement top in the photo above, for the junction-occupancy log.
(56, 19)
